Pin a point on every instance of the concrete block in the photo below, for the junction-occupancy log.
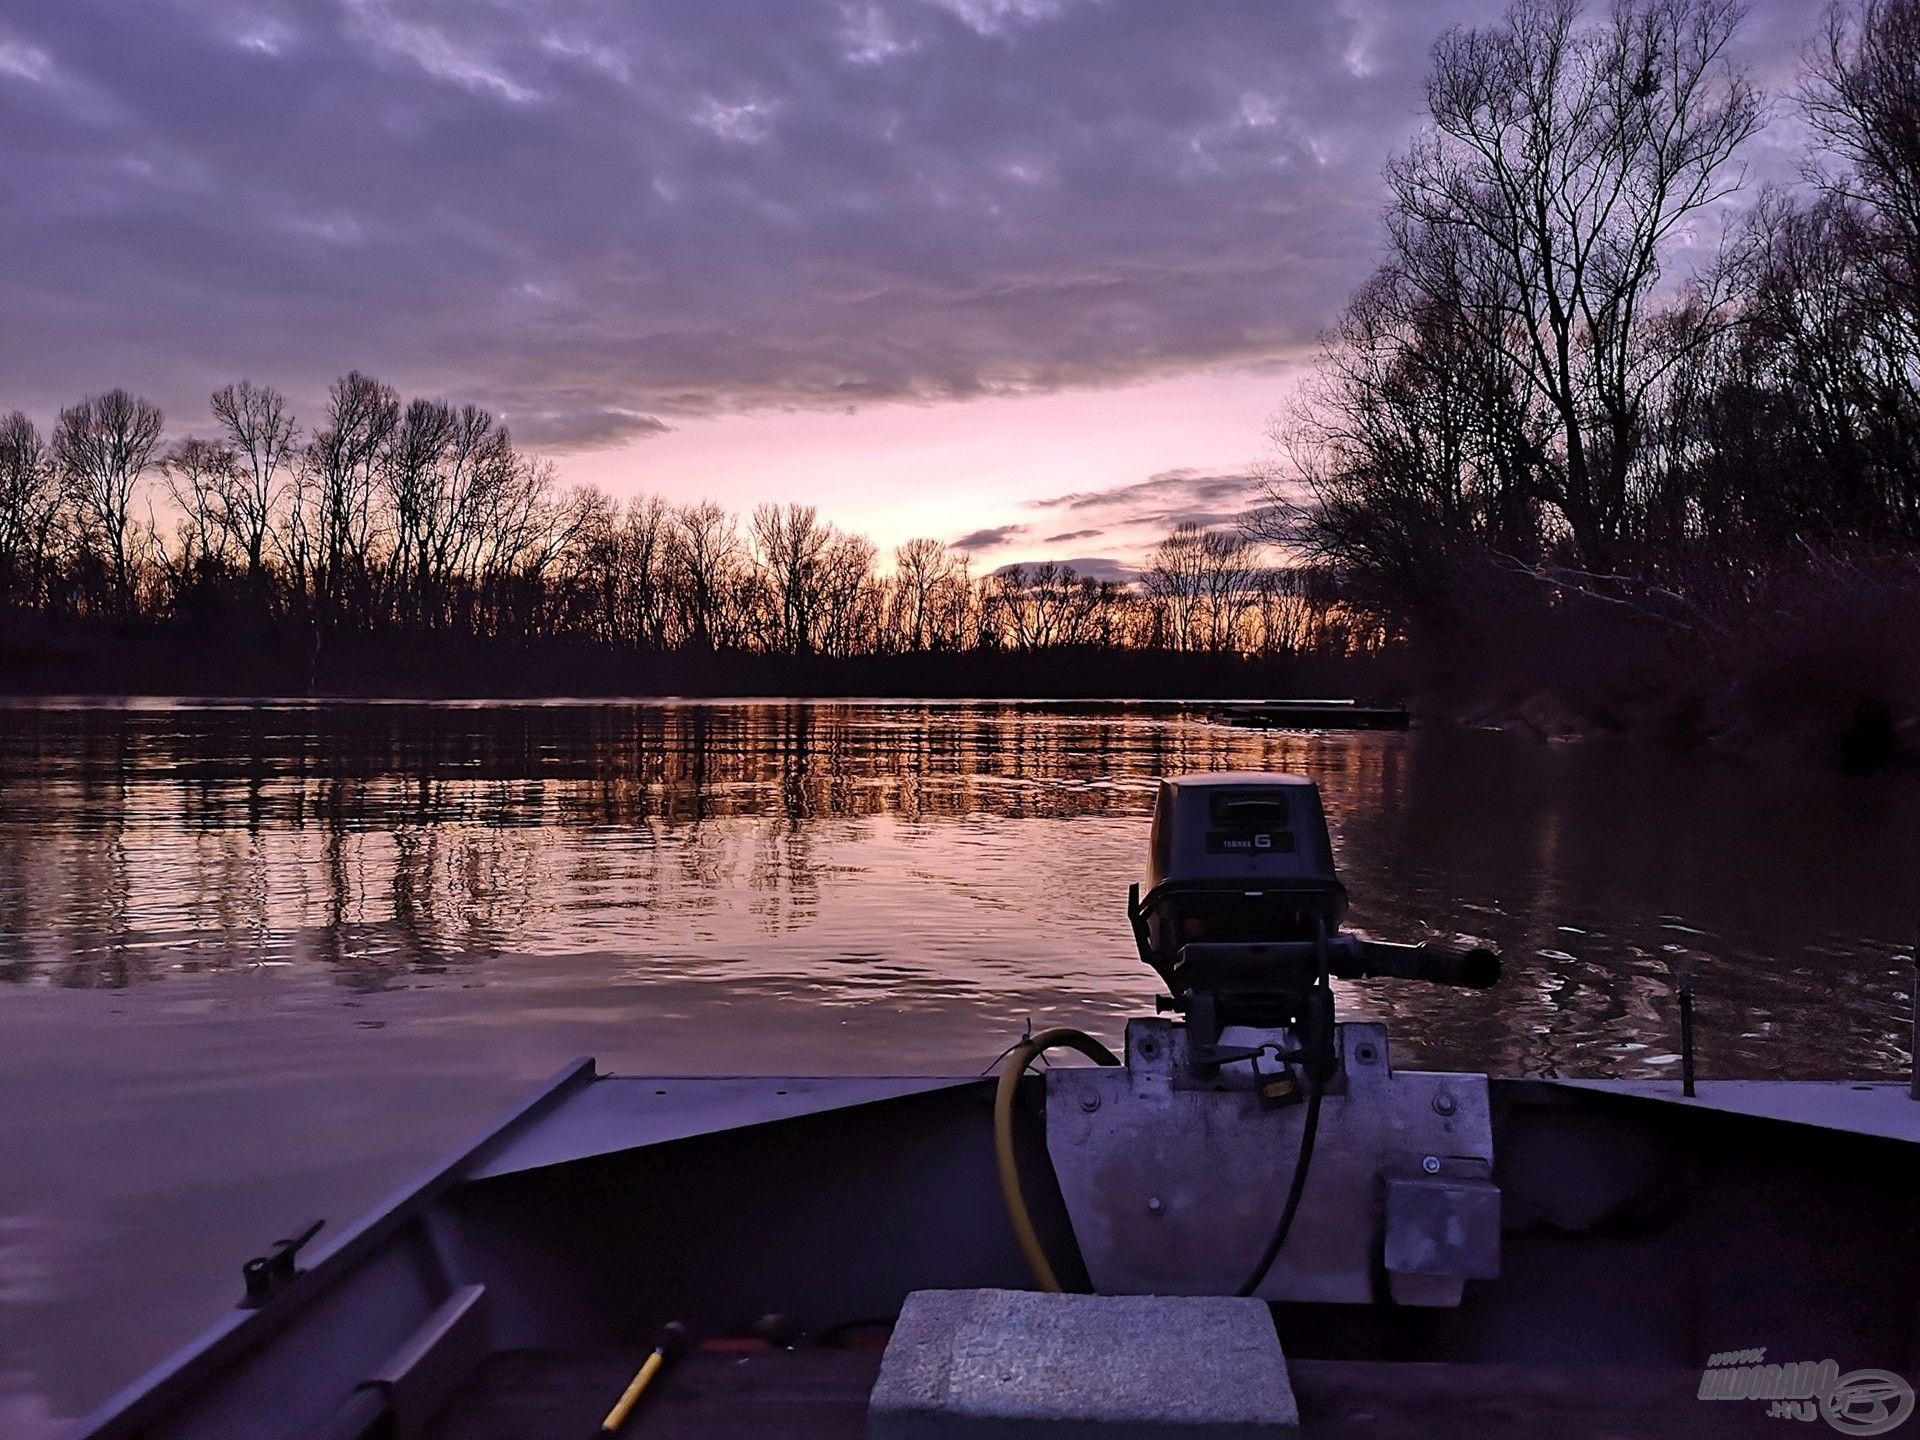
(1018, 1365)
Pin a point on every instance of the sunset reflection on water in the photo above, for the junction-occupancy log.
(963, 863)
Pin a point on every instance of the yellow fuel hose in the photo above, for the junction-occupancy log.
(1011, 1069)
(623, 1407)
(673, 1338)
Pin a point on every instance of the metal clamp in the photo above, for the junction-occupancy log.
(267, 1275)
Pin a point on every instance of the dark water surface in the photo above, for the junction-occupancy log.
(262, 962)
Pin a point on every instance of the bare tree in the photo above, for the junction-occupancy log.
(850, 605)
(704, 557)
(1416, 441)
(954, 608)
(103, 446)
(343, 461)
(793, 545)
(530, 529)
(202, 479)
(646, 536)
(263, 436)
(1228, 572)
(921, 569)
(1203, 584)
(462, 504)
(618, 562)
(1175, 582)
(29, 511)
(1044, 605)
(1566, 163)
(1287, 610)
(1863, 99)
(412, 483)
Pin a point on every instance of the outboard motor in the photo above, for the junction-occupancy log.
(1241, 894)
(1193, 1168)
(1243, 908)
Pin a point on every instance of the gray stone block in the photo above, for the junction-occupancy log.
(1018, 1365)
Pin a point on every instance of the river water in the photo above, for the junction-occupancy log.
(263, 961)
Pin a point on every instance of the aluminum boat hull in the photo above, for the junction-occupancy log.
(511, 1289)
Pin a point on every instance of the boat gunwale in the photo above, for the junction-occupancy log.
(160, 1389)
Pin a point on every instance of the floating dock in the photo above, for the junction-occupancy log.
(1311, 715)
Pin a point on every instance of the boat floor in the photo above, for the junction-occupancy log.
(821, 1394)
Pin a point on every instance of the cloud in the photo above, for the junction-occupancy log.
(602, 211)
(1163, 500)
(989, 538)
(542, 421)
(441, 53)
(1137, 514)
(1090, 567)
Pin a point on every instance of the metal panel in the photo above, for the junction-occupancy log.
(631, 1112)
(1857, 1107)
(1174, 1188)
(1443, 1227)
(824, 1219)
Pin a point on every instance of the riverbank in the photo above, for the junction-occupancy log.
(1857, 735)
(1823, 690)
(1820, 667)
(40, 658)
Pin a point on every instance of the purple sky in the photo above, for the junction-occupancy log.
(1035, 273)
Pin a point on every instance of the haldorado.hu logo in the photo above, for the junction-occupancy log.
(1860, 1402)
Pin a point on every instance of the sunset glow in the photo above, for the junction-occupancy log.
(928, 266)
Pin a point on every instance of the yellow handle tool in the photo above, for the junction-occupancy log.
(671, 1339)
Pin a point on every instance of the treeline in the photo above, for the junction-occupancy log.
(1590, 392)
(422, 519)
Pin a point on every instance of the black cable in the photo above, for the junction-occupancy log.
(1294, 1189)
(1316, 1076)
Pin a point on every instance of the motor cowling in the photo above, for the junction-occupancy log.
(1235, 858)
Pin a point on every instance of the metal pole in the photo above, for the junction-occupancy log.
(1913, 1004)
(1686, 1036)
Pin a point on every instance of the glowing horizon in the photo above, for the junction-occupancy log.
(951, 470)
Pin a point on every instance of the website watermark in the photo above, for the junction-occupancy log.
(1859, 1402)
